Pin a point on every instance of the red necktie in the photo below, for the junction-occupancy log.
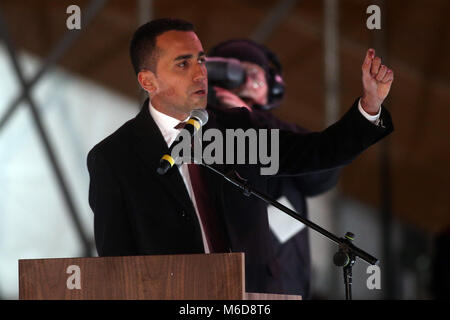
(213, 225)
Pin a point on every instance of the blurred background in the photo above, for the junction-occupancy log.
(62, 91)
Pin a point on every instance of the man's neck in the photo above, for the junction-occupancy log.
(181, 116)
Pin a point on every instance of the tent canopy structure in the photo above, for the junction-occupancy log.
(321, 45)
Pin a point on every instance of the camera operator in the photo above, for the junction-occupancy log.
(245, 74)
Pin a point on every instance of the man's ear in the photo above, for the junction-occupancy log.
(147, 81)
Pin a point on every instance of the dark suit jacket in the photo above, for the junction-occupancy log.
(138, 212)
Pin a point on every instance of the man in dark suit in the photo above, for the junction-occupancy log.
(138, 212)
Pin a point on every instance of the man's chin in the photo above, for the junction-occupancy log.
(200, 104)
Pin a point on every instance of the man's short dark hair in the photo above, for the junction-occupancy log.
(143, 44)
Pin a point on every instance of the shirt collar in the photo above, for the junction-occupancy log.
(165, 123)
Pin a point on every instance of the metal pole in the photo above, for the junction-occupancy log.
(388, 262)
(331, 54)
(332, 105)
(145, 11)
(272, 20)
(145, 14)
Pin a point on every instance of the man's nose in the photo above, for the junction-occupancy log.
(200, 73)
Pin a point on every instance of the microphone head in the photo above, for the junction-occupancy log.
(201, 115)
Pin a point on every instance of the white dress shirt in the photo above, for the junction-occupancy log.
(374, 119)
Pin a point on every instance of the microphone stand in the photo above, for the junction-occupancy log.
(347, 253)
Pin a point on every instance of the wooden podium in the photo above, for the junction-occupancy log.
(166, 277)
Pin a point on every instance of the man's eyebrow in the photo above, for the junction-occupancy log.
(188, 56)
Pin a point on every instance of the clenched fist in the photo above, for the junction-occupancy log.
(377, 80)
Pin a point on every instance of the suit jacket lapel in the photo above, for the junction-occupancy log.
(150, 146)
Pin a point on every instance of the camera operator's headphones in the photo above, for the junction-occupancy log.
(250, 51)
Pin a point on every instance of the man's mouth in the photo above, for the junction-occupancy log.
(200, 92)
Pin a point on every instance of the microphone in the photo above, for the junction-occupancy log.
(197, 119)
